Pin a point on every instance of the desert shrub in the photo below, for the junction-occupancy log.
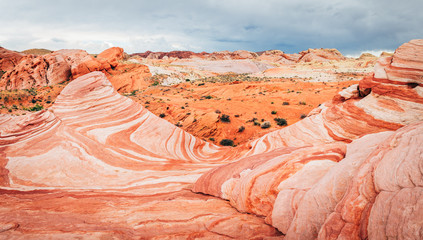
(36, 108)
(155, 83)
(274, 112)
(281, 121)
(265, 125)
(226, 142)
(302, 103)
(285, 103)
(241, 129)
(134, 92)
(218, 111)
(303, 116)
(257, 123)
(208, 97)
(225, 118)
(162, 115)
(32, 91)
(212, 139)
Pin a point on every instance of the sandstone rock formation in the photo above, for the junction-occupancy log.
(9, 59)
(95, 147)
(68, 64)
(320, 55)
(276, 56)
(328, 176)
(111, 56)
(98, 165)
(36, 71)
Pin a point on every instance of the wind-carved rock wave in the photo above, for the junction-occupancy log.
(332, 175)
(97, 165)
(350, 170)
(94, 137)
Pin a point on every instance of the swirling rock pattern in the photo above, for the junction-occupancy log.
(331, 175)
(392, 98)
(99, 165)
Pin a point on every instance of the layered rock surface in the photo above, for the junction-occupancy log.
(9, 59)
(329, 175)
(98, 165)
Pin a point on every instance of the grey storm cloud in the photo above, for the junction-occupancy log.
(210, 25)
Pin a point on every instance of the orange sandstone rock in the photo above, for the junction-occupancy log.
(320, 55)
(323, 194)
(9, 59)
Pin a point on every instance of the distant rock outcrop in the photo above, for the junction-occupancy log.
(36, 71)
(276, 56)
(320, 55)
(111, 56)
(64, 65)
(37, 51)
(9, 59)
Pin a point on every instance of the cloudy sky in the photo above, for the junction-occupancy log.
(210, 25)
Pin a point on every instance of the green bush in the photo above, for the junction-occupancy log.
(281, 121)
(274, 112)
(36, 108)
(227, 142)
(241, 129)
(225, 118)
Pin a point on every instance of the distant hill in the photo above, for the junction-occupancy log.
(37, 51)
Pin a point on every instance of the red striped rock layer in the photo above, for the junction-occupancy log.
(397, 85)
(308, 185)
(58, 214)
(390, 99)
(329, 191)
(95, 138)
(98, 165)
